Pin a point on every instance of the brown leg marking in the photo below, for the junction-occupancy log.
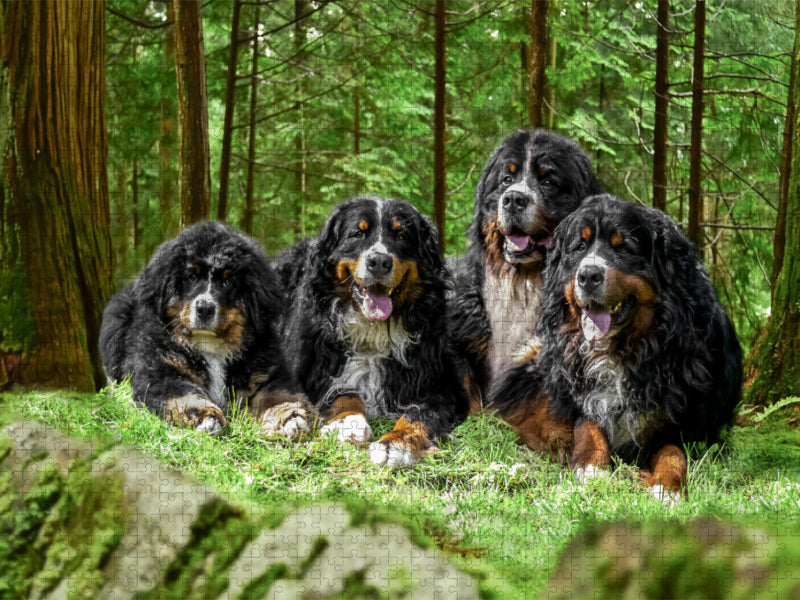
(667, 476)
(347, 416)
(280, 413)
(403, 446)
(539, 430)
(196, 412)
(591, 455)
(474, 395)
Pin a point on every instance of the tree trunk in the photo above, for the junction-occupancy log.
(660, 125)
(772, 370)
(193, 159)
(301, 10)
(249, 203)
(694, 232)
(227, 125)
(551, 90)
(538, 58)
(54, 56)
(166, 139)
(439, 125)
(137, 222)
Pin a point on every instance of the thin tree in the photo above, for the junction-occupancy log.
(439, 124)
(538, 57)
(694, 232)
(773, 368)
(57, 179)
(249, 202)
(193, 156)
(661, 103)
(166, 139)
(227, 124)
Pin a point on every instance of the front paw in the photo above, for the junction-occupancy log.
(586, 472)
(668, 497)
(353, 429)
(403, 446)
(193, 411)
(288, 419)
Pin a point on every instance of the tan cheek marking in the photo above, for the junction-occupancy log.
(616, 239)
(231, 327)
(182, 310)
(409, 271)
(363, 225)
(586, 233)
(620, 285)
(345, 269)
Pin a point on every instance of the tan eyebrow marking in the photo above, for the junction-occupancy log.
(363, 225)
(396, 225)
(616, 239)
(512, 167)
(586, 233)
(543, 172)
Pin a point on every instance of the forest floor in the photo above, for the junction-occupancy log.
(501, 511)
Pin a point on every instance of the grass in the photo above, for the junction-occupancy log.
(500, 510)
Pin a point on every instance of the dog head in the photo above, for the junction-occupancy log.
(533, 180)
(380, 253)
(212, 286)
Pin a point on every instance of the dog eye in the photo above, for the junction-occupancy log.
(507, 180)
(400, 236)
(358, 234)
(193, 277)
(227, 282)
(546, 183)
(622, 250)
(581, 247)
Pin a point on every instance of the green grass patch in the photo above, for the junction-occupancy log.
(502, 511)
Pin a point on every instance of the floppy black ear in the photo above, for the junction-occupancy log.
(429, 244)
(481, 191)
(674, 257)
(262, 295)
(159, 280)
(554, 303)
(583, 176)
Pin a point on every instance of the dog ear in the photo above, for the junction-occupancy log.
(160, 279)
(429, 244)
(484, 187)
(674, 256)
(554, 305)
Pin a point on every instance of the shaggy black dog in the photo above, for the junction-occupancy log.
(196, 326)
(533, 180)
(367, 335)
(637, 352)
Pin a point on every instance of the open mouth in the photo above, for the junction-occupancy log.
(523, 244)
(597, 320)
(376, 302)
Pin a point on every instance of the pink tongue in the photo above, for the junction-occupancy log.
(377, 307)
(520, 242)
(595, 326)
(546, 242)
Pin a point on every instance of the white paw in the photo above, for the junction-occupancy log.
(390, 454)
(586, 472)
(210, 425)
(288, 419)
(352, 428)
(670, 498)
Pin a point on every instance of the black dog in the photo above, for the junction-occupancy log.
(196, 325)
(368, 334)
(532, 181)
(636, 350)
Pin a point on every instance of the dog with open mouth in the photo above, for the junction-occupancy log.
(367, 335)
(637, 353)
(532, 181)
(197, 329)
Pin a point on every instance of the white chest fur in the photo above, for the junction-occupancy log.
(217, 369)
(369, 344)
(513, 307)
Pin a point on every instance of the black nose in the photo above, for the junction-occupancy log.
(205, 310)
(379, 265)
(515, 201)
(590, 277)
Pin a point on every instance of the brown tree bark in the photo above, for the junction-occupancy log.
(54, 57)
(193, 154)
(661, 101)
(772, 370)
(302, 9)
(227, 125)
(439, 122)
(538, 62)
(249, 203)
(166, 140)
(695, 233)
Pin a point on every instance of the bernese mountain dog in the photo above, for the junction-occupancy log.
(196, 328)
(637, 353)
(533, 180)
(367, 334)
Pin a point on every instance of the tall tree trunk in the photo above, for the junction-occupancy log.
(135, 210)
(550, 89)
(166, 138)
(54, 57)
(249, 203)
(694, 232)
(301, 10)
(779, 240)
(439, 124)
(661, 91)
(227, 125)
(538, 66)
(773, 368)
(193, 158)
